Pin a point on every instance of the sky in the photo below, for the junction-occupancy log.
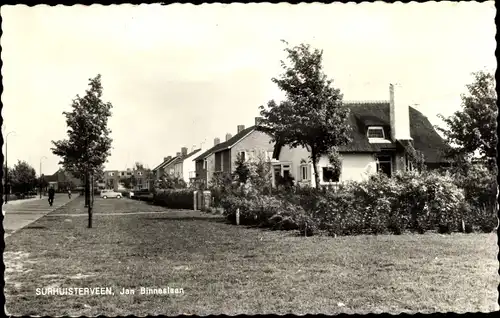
(181, 75)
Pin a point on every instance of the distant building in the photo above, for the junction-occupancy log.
(113, 179)
(63, 180)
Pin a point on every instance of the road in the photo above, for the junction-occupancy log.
(19, 214)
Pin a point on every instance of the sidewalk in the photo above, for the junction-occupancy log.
(21, 214)
(14, 202)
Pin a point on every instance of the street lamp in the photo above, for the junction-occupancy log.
(6, 172)
(40, 184)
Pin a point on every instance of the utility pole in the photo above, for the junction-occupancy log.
(40, 184)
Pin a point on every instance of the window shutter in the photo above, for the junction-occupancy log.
(309, 173)
(299, 175)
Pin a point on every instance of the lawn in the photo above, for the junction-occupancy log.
(226, 269)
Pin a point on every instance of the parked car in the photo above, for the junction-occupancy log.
(110, 194)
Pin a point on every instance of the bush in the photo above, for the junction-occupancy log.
(420, 202)
(174, 199)
(125, 194)
(262, 210)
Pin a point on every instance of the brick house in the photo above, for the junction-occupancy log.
(248, 142)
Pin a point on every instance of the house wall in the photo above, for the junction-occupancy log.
(178, 169)
(226, 160)
(210, 167)
(355, 167)
(188, 167)
(218, 161)
(254, 144)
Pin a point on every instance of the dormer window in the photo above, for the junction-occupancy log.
(375, 132)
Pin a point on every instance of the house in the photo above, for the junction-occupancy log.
(166, 167)
(247, 142)
(185, 168)
(382, 133)
(113, 178)
(62, 180)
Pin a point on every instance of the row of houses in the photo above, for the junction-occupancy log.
(381, 133)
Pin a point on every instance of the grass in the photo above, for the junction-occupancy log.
(225, 269)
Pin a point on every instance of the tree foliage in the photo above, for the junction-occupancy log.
(242, 171)
(88, 144)
(22, 177)
(168, 181)
(473, 128)
(312, 114)
(126, 182)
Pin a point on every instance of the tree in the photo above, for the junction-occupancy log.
(127, 182)
(312, 114)
(22, 177)
(242, 171)
(472, 130)
(88, 145)
(260, 174)
(168, 181)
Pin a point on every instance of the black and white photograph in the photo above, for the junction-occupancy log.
(181, 159)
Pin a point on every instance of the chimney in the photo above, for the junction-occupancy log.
(178, 154)
(241, 128)
(258, 121)
(216, 141)
(228, 136)
(184, 151)
(399, 117)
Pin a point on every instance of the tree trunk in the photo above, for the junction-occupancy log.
(90, 204)
(315, 167)
(87, 189)
(90, 216)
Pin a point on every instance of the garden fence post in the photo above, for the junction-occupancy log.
(238, 216)
(195, 193)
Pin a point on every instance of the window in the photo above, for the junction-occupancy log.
(277, 171)
(242, 155)
(304, 175)
(286, 171)
(376, 132)
(329, 175)
(204, 164)
(111, 173)
(139, 173)
(282, 171)
(384, 164)
(129, 173)
(408, 163)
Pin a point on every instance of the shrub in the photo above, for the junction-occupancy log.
(262, 210)
(421, 202)
(175, 199)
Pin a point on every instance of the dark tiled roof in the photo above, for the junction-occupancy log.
(362, 115)
(226, 144)
(181, 158)
(164, 163)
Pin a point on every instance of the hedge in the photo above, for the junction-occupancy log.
(174, 198)
(406, 202)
